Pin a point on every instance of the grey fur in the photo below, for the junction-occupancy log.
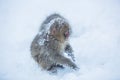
(51, 52)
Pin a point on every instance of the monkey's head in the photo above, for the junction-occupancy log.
(61, 31)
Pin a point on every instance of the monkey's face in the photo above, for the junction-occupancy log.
(61, 32)
(65, 32)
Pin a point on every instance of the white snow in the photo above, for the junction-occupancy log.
(95, 39)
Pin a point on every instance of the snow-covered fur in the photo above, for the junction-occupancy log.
(51, 42)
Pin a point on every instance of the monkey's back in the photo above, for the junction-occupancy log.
(44, 53)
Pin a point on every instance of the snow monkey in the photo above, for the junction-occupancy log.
(51, 43)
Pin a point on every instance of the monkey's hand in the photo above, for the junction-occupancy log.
(76, 68)
(73, 65)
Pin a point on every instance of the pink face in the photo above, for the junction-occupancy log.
(66, 34)
(62, 32)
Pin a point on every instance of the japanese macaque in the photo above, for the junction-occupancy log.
(51, 43)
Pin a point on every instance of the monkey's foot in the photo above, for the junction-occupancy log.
(53, 68)
(59, 66)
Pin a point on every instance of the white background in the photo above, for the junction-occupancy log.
(95, 39)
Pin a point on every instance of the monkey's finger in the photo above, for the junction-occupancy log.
(77, 68)
(73, 59)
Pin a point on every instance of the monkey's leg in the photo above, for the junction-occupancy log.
(69, 51)
(59, 66)
(55, 67)
(46, 64)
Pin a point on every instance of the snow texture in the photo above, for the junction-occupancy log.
(95, 38)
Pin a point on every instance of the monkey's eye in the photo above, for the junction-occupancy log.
(66, 34)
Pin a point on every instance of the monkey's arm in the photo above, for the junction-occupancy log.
(64, 61)
(69, 51)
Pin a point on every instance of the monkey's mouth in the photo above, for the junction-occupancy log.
(66, 34)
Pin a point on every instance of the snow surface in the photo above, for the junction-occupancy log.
(95, 39)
